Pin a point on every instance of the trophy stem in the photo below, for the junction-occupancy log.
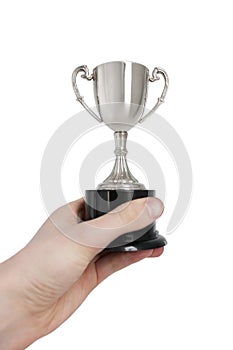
(121, 177)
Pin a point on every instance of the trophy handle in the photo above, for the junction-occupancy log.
(80, 98)
(155, 76)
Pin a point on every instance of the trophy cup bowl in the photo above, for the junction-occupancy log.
(120, 91)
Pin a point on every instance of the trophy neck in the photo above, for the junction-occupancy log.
(120, 177)
(120, 138)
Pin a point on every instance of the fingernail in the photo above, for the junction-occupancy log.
(155, 207)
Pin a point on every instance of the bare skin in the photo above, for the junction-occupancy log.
(43, 284)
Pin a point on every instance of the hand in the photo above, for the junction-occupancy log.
(43, 284)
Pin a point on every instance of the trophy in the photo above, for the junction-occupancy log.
(120, 91)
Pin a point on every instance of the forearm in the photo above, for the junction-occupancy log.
(17, 326)
(15, 332)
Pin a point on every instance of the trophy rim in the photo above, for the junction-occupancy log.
(118, 61)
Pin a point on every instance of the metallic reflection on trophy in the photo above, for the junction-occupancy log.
(120, 91)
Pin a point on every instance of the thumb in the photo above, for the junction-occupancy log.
(128, 217)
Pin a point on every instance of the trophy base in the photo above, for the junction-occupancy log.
(99, 202)
(157, 242)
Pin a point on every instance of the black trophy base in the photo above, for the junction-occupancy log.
(99, 202)
(157, 242)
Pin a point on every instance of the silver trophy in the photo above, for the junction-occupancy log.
(120, 91)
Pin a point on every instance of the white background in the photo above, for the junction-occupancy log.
(184, 299)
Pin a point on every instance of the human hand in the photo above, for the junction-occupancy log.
(43, 284)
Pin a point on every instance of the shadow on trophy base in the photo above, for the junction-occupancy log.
(100, 202)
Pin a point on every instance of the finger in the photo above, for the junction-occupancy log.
(156, 252)
(114, 262)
